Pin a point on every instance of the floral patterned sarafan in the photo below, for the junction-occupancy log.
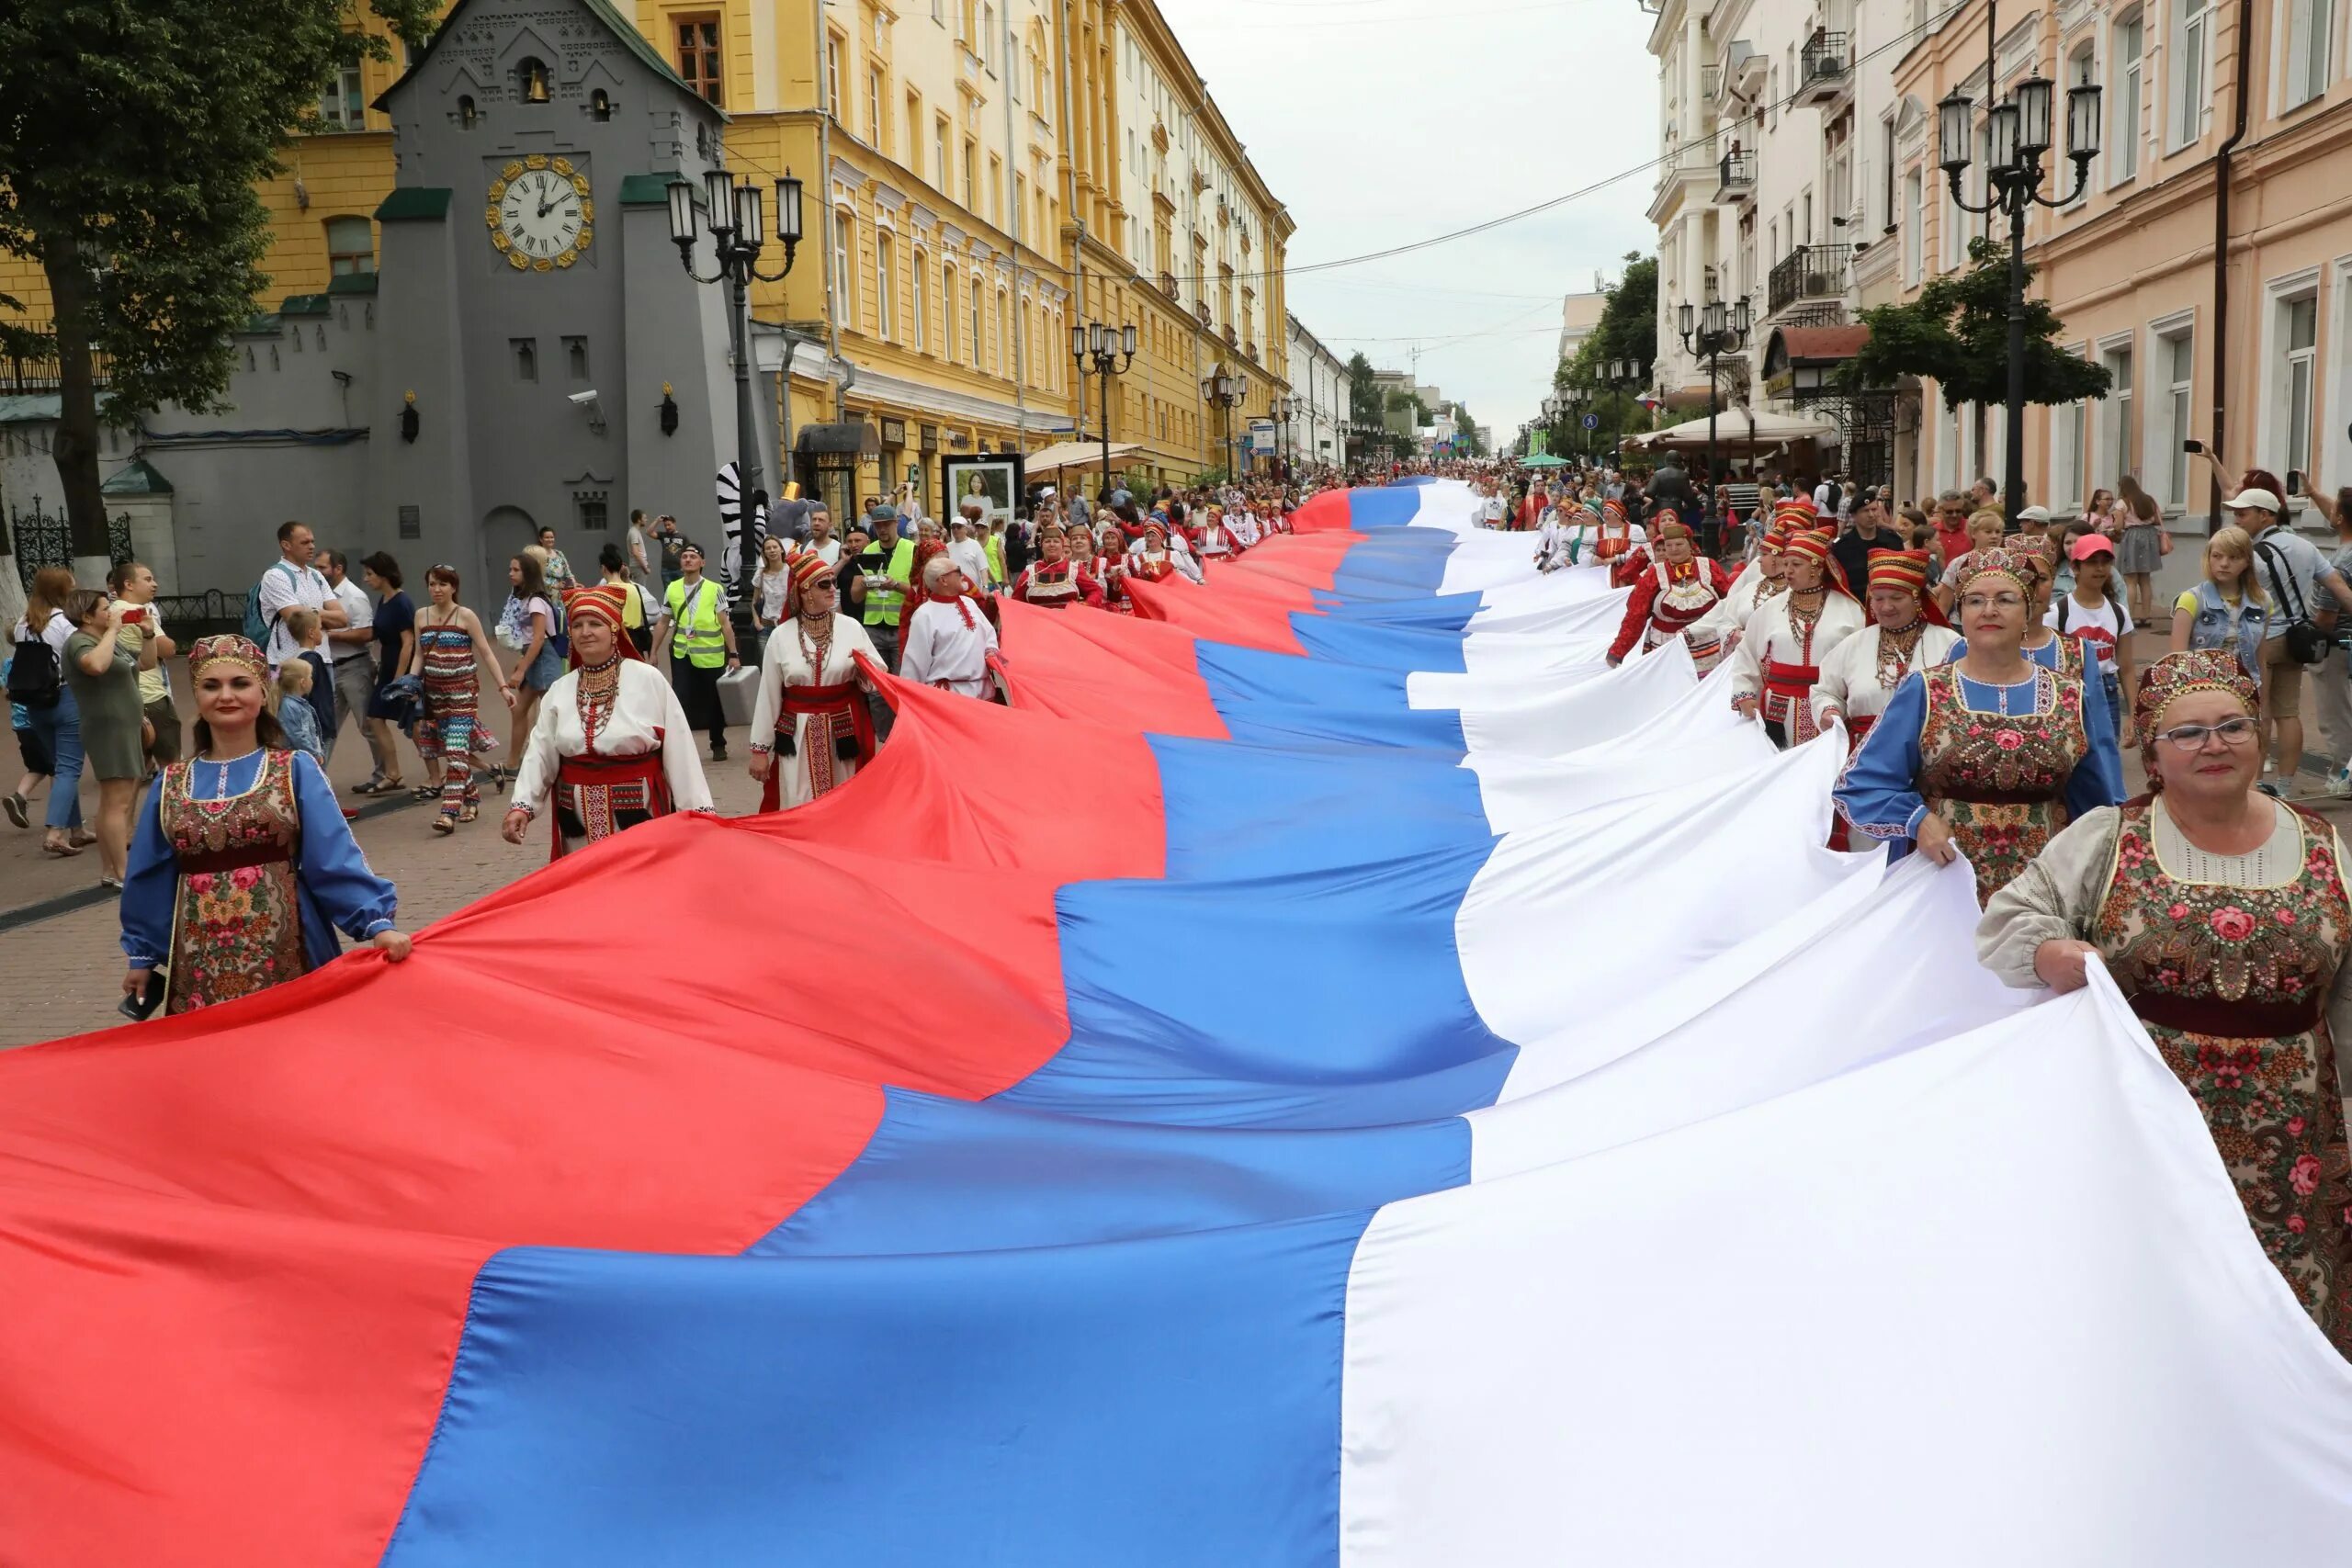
(237, 925)
(2181, 947)
(1999, 779)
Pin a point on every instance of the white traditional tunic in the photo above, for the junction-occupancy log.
(1215, 542)
(943, 651)
(1246, 529)
(1728, 620)
(785, 664)
(1778, 664)
(1859, 675)
(647, 721)
(1177, 555)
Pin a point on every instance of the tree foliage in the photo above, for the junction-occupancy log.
(1958, 332)
(132, 133)
(1627, 329)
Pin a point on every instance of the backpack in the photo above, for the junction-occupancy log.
(257, 620)
(2306, 644)
(33, 674)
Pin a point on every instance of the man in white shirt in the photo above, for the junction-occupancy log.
(352, 647)
(948, 640)
(820, 535)
(2294, 576)
(293, 583)
(965, 547)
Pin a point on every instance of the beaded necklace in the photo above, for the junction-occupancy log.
(599, 693)
(816, 649)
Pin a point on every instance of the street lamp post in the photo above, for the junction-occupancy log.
(1102, 351)
(1708, 334)
(1225, 389)
(2017, 134)
(1283, 410)
(1616, 374)
(737, 220)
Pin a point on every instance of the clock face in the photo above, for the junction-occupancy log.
(540, 213)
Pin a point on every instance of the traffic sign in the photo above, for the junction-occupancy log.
(1592, 422)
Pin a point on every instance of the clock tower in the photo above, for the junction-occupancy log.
(562, 367)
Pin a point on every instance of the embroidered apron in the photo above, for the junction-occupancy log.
(237, 915)
(1999, 779)
(2231, 984)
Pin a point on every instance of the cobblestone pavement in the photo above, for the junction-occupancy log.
(63, 974)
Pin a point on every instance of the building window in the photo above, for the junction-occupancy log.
(886, 278)
(1914, 218)
(922, 304)
(980, 323)
(914, 136)
(342, 106)
(351, 246)
(2067, 430)
(588, 510)
(467, 118)
(531, 79)
(2308, 26)
(834, 76)
(2114, 457)
(845, 296)
(940, 166)
(2299, 332)
(948, 304)
(2192, 34)
(698, 55)
(1004, 334)
(575, 357)
(526, 357)
(2169, 421)
(600, 104)
(874, 110)
(939, 12)
(987, 37)
(2124, 132)
(971, 175)
(996, 192)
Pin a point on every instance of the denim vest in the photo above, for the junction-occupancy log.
(2213, 627)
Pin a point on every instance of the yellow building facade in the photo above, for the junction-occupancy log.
(979, 175)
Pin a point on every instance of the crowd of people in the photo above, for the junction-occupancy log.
(1976, 667)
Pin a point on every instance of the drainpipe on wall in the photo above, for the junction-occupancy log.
(2221, 261)
(1076, 217)
(825, 189)
(1012, 231)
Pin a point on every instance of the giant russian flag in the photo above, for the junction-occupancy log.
(1332, 1074)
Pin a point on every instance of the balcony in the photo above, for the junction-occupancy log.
(1232, 338)
(1810, 273)
(1711, 83)
(1168, 284)
(1735, 179)
(1824, 73)
(29, 360)
(1745, 71)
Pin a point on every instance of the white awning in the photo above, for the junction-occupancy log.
(1073, 454)
(1739, 427)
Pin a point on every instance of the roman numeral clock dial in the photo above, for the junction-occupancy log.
(541, 213)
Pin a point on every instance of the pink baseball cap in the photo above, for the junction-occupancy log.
(2090, 545)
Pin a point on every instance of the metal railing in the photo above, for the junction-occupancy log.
(35, 368)
(1809, 272)
(1711, 83)
(1735, 171)
(1823, 61)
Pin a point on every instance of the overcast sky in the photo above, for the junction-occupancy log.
(1378, 122)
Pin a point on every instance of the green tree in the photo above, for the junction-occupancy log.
(1363, 391)
(1958, 332)
(1627, 331)
(132, 133)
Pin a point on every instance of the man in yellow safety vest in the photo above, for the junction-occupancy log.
(887, 563)
(698, 639)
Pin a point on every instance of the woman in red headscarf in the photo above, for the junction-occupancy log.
(1059, 578)
(603, 742)
(1859, 675)
(811, 727)
(1620, 546)
(1671, 595)
(1780, 649)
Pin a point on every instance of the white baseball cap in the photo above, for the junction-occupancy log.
(2255, 499)
(2034, 514)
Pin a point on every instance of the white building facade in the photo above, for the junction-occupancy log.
(1318, 390)
(1772, 121)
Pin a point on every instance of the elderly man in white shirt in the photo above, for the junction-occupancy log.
(293, 583)
(948, 639)
(963, 546)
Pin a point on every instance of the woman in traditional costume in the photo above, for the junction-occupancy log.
(1619, 544)
(1987, 756)
(2223, 916)
(611, 741)
(1057, 579)
(1671, 596)
(811, 728)
(1861, 675)
(242, 866)
(1780, 649)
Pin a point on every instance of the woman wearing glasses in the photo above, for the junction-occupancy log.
(2222, 914)
(1988, 756)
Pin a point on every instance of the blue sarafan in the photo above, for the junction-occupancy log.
(1332, 1072)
